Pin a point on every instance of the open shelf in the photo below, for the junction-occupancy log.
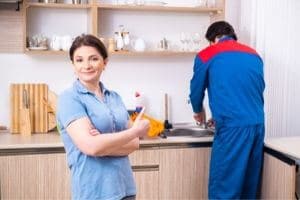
(58, 5)
(151, 53)
(46, 52)
(160, 8)
(120, 53)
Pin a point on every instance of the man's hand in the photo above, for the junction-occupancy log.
(211, 123)
(200, 117)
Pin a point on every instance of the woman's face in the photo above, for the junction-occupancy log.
(88, 64)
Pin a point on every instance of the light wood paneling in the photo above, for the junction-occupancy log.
(184, 173)
(11, 31)
(41, 176)
(147, 185)
(278, 181)
(145, 157)
(147, 175)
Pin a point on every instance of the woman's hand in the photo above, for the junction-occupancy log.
(94, 132)
(141, 125)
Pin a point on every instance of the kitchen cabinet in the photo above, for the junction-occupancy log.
(35, 168)
(281, 164)
(172, 171)
(279, 178)
(184, 173)
(145, 164)
(98, 16)
(34, 176)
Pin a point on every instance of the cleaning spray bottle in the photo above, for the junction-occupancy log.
(139, 102)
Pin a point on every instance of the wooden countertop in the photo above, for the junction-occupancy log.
(289, 146)
(53, 140)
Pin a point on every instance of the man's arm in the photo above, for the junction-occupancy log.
(198, 84)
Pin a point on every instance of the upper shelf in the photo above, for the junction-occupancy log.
(119, 53)
(128, 7)
(58, 5)
(159, 8)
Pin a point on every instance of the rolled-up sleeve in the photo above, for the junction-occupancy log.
(69, 109)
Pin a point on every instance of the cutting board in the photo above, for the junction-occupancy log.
(42, 106)
(52, 102)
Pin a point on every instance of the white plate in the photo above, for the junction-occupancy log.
(38, 48)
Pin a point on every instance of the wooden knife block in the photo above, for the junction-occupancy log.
(42, 106)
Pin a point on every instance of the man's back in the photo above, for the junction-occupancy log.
(235, 83)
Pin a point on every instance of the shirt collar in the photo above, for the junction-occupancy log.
(82, 89)
(225, 38)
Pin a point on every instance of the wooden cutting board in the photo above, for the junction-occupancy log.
(52, 102)
(38, 109)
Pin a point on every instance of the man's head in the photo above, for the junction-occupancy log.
(219, 29)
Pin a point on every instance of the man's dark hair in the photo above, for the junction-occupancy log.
(88, 40)
(219, 29)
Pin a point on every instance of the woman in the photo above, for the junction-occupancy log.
(94, 125)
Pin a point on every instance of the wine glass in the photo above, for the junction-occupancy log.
(196, 41)
(183, 41)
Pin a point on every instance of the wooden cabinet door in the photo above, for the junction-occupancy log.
(147, 184)
(184, 173)
(278, 179)
(145, 164)
(40, 176)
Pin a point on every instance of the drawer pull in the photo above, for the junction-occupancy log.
(143, 168)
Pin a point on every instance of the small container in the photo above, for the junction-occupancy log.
(163, 44)
(76, 1)
(111, 45)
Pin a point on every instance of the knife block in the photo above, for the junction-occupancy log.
(39, 117)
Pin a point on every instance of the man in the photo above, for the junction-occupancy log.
(233, 75)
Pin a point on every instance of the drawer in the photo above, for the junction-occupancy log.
(145, 157)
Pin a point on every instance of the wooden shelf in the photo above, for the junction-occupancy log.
(117, 53)
(151, 53)
(159, 8)
(46, 52)
(58, 5)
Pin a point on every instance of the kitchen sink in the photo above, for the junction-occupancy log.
(189, 130)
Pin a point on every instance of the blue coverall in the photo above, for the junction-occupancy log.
(233, 75)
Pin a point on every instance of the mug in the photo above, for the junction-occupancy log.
(139, 45)
(66, 42)
(55, 43)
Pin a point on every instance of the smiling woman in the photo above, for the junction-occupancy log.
(95, 128)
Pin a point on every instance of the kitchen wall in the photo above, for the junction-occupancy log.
(151, 75)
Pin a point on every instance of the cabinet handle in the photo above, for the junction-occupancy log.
(144, 168)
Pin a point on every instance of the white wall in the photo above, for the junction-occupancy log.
(152, 75)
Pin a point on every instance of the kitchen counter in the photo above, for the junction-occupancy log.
(10, 141)
(286, 145)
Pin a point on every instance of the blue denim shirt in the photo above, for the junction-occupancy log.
(108, 177)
